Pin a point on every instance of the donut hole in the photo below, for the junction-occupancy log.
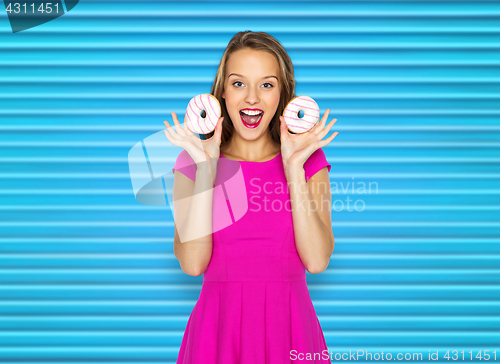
(300, 114)
(203, 114)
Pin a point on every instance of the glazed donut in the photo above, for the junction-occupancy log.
(291, 114)
(195, 122)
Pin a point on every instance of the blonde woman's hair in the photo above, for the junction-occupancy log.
(260, 41)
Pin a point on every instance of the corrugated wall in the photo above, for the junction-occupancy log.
(88, 274)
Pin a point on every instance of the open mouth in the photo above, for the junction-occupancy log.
(251, 118)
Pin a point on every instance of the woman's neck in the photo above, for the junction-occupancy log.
(251, 151)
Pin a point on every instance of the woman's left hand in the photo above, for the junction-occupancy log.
(297, 148)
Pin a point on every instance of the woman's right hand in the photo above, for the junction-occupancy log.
(198, 149)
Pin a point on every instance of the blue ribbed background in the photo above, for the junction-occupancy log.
(88, 274)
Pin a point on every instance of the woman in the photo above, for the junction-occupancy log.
(254, 306)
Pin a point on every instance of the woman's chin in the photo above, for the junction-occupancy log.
(251, 134)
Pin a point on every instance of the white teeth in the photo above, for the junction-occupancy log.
(248, 112)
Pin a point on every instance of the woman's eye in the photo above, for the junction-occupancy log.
(267, 83)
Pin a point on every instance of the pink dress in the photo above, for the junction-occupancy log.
(254, 306)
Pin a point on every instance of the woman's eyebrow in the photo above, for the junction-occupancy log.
(237, 74)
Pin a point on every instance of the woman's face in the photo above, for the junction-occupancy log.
(251, 91)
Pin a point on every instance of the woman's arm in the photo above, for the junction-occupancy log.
(311, 214)
(192, 205)
(311, 200)
(193, 219)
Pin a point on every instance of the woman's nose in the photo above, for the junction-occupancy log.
(252, 96)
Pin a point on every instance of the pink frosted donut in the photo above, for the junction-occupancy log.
(310, 118)
(195, 122)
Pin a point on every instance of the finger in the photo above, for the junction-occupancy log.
(177, 124)
(321, 124)
(185, 127)
(283, 124)
(283, 128)
(324, 118)
(174, 116)
(169, 128)
(218, 129)
(168, 136)
(330, 138)
(329, 126)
